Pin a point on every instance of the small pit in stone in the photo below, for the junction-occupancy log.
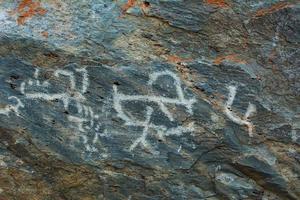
(146, 4)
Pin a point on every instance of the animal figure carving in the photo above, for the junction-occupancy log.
(85, 119)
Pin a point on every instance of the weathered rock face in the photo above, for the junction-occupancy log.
(158, 99)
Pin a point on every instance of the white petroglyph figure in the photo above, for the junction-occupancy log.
(84, 119)
(234, 117)
(295, 136)
(85, 123)
(66, 97)
(12, 107)
(161, 131)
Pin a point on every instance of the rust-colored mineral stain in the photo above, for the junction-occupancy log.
(128, 5)
(218, 3)
(45, 34)
(27, 9)
(274, 8)
(232, 58)
(176, 59)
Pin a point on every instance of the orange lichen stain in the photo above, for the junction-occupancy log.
(27, 9)
(232, 58)
(128, 5)
(144, 6)
(218, 3)
(175, 59)
(45, 34)
(276, 7)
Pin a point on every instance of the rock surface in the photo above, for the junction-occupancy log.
(157, 99)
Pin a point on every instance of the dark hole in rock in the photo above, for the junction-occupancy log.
(116, 83)
(66, 112)
(146, 4)
(15, 77)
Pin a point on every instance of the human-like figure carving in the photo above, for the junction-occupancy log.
(162, 102)
(234, 117)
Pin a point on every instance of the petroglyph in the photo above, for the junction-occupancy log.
(73, 85)
(148, 126)
(84, 119)
(179, 149)
(234, 117)
(85, 123)
(14, 108)
(295, 136)
(72, 94)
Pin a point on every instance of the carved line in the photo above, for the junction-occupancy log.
(12, 108)
(64, 97)
(161, 131)
(251, 109)
(86, 113)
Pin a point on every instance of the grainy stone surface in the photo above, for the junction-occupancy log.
(157, 99)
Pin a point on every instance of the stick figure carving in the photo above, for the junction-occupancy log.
(161, 131)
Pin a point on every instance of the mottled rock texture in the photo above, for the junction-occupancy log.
(156, 99)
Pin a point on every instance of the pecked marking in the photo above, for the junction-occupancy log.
(12, 107)
(251, 109)
(161, 131)
(84, 118)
